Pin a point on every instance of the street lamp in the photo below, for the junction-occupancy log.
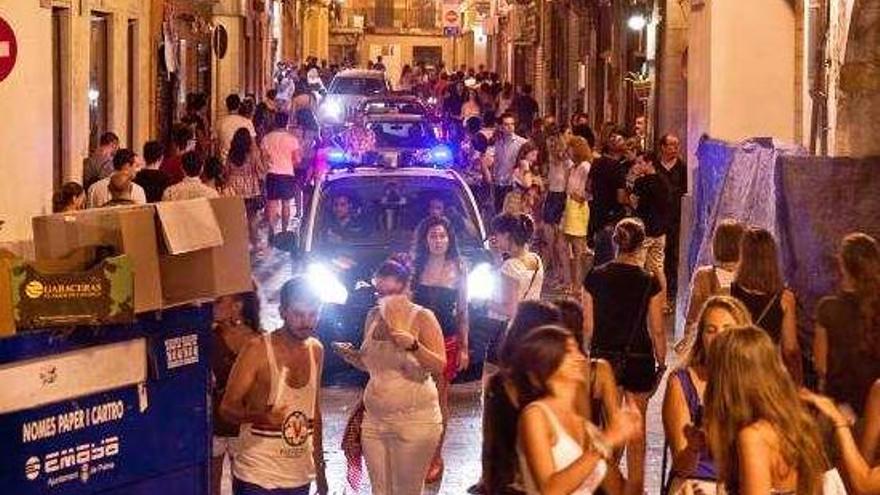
(637, 22)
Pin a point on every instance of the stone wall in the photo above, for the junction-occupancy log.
(858, 103)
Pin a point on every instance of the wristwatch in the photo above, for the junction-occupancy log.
(414, 347)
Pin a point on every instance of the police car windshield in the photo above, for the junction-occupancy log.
(357, 86)
(385, 210)
(403, 134)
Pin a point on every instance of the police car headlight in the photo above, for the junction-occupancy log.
(481, 282)
(332, 109)
(325, 284)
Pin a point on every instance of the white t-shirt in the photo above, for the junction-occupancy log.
(527, 288)
(280, 147)
(99, 194)
(226, 128)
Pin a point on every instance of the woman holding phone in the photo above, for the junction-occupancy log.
(402, 350)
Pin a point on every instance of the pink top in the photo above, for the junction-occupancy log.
(280, 147)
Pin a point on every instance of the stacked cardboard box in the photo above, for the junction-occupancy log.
(182, 253)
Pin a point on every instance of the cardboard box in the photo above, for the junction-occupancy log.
(217, 271)
(129, 230)
(73, 291)
(161, 279)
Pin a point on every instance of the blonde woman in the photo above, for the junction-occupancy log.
(692, 463)
(576, 216)
(763, 439)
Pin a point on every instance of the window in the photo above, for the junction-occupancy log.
(98, 60)
(426, 14)
(384, 13)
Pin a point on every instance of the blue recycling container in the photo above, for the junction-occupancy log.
(118, 409)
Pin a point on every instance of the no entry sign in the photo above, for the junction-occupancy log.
(8, 49)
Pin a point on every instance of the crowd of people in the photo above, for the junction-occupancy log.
(590, 218)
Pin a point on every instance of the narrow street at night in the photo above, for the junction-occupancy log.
(439, 247)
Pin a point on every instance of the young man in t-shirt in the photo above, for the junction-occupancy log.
(650, 199)
(283, 153)
(150, 178)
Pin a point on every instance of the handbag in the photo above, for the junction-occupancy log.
(620, 359)
(497, 329)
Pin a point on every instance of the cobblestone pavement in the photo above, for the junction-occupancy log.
(462, 446)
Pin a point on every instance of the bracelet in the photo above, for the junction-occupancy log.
(414, 347)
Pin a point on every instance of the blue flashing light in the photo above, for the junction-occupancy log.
(441, 155)
(337, 157)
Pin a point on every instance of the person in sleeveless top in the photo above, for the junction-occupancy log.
(559, 450)
(441, 286)
(273, 394)
(759, 285)
(710, 280)
(762, 437)
(846, 347)
(522, 272)
(402, 350)
(623, 320)
(857, 467)
(236, 320)
(501, 405)
(683, 403)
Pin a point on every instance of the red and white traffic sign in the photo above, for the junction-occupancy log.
(8, 49)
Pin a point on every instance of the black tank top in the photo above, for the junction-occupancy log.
(443, 301)
(766, 309)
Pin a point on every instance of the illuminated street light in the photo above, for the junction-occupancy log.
(637, 22)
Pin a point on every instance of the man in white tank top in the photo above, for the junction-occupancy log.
(273, 394)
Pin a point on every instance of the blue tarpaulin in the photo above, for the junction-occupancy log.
(808, 203)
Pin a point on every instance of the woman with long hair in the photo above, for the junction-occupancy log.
(501, 404)
(685, 391)
(846, 347)
(759, 285)
(402, 351)
(441, 286)
(236, 322)
(558, 165)
(863, 475)
(623, 318)
(245, 172)
(762, 437)
(559, 450)
(710, 280)
(600, 397)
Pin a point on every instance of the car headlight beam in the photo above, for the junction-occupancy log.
(325, 284)
(482, 282)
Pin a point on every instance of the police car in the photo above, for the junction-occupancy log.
(359, 216)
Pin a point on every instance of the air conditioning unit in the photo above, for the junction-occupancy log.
(357, 21)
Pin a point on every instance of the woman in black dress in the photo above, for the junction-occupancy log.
(441, 286)
(623, 321)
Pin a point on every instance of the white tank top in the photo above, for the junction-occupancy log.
(281, 459)
(565, 452)
(399, 387)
